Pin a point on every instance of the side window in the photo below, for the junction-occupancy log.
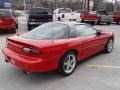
(60, 31)
(83, 30)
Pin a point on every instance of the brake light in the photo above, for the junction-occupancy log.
(31, 51)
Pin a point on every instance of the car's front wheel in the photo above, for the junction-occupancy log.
(109, 46)
(68, 63)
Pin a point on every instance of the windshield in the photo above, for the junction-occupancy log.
(48, 31)
(38, 11)
(65, 11)
(5, 13)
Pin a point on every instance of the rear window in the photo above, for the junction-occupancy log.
(5, 13)
(48, 31)
(38, 11)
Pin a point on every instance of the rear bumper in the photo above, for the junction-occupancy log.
(104, 20)
(7, 27)
(28, 63)
(90, 20)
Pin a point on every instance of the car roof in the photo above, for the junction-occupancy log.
(70, 24)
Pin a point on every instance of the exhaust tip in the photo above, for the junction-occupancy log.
(6, 61)
(26, 72)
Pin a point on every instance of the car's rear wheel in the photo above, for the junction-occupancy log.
(13, 30)
(108, 23)
(68, 63)
(109, 46)
(59, 19)
(117, 22)
(29, 27)
(0, 32)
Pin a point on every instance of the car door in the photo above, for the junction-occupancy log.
(91, 42)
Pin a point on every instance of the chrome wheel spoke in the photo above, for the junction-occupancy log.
(69, 63)
(110, 45)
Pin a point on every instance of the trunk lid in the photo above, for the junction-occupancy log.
(17, 44)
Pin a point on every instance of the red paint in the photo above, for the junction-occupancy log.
(7, 23)
(116, 16)
(51, 52)
(87, 17)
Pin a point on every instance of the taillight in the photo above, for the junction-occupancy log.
(30, 51)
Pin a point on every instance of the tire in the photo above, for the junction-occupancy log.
(92, 23)
(109, 46)
(117, 22)
(29, 27)
(0, 32)
(108, 23)
(16, 26)
(59, 19)
(13, 30)
(66, 67)
(98, 23)
(82, 21)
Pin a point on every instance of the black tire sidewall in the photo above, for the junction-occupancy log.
(61, 63)
(106, 47)
(108, 23)
(29, 27)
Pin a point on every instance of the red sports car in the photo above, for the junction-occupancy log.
(8, 22)
(56, 46)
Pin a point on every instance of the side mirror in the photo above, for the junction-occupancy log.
(99, 32)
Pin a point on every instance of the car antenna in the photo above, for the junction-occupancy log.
(52, 32)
